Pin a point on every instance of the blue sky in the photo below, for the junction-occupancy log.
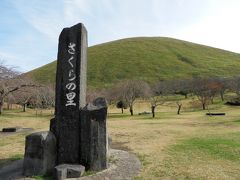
(29, 29)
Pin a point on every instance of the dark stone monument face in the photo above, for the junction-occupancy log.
(40, 154)
(94, 145)
(70, 91)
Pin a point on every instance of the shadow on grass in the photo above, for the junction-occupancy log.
(7, 161)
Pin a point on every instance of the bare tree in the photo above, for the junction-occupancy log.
(23, 97)
(205, 89)
(43, 97)
(10, 82)
(5, 90)
(163, 89)
(157, 96)
(223, 86)
(233, 85)
(182, 87)
(7, 72)
(129, 90)
(179, 105)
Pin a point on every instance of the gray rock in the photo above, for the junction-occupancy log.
(40, 154)
(94, 143)
(64, 171)
(100, 102)
(70, 92)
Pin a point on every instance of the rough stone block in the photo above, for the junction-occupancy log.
(40, 154)
(64, 171)
(93, 138)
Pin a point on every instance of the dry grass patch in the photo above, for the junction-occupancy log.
(12, 144)
(187, 146)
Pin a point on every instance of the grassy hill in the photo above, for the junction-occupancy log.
(150, 59)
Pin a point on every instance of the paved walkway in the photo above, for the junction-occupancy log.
(123, 166)
(11, 171)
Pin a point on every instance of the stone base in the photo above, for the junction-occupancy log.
(40, 154)
(93, 138)
(64, 171)
(123, 165)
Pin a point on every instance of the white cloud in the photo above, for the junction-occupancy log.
(220, 29)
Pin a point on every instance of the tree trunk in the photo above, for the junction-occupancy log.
(203, 106)
(1, 108)
(153, 111)
(24, 107)
(131, 110)
(186, 96)
(122, 110)
(222, 97)
(179, 108)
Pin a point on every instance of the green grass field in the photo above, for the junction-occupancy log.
(187, 146)
(150, 59)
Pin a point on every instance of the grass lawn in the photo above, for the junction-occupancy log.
(187, 146)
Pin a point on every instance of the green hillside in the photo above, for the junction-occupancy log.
(151, 59)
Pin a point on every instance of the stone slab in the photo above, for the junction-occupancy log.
(40, 154)
(64, 171)
(93, 137)
(70, 92)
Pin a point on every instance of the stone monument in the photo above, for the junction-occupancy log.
(79, 130)
(70, 92)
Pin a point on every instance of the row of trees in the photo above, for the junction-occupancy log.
(125, 93)
(16, 89)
